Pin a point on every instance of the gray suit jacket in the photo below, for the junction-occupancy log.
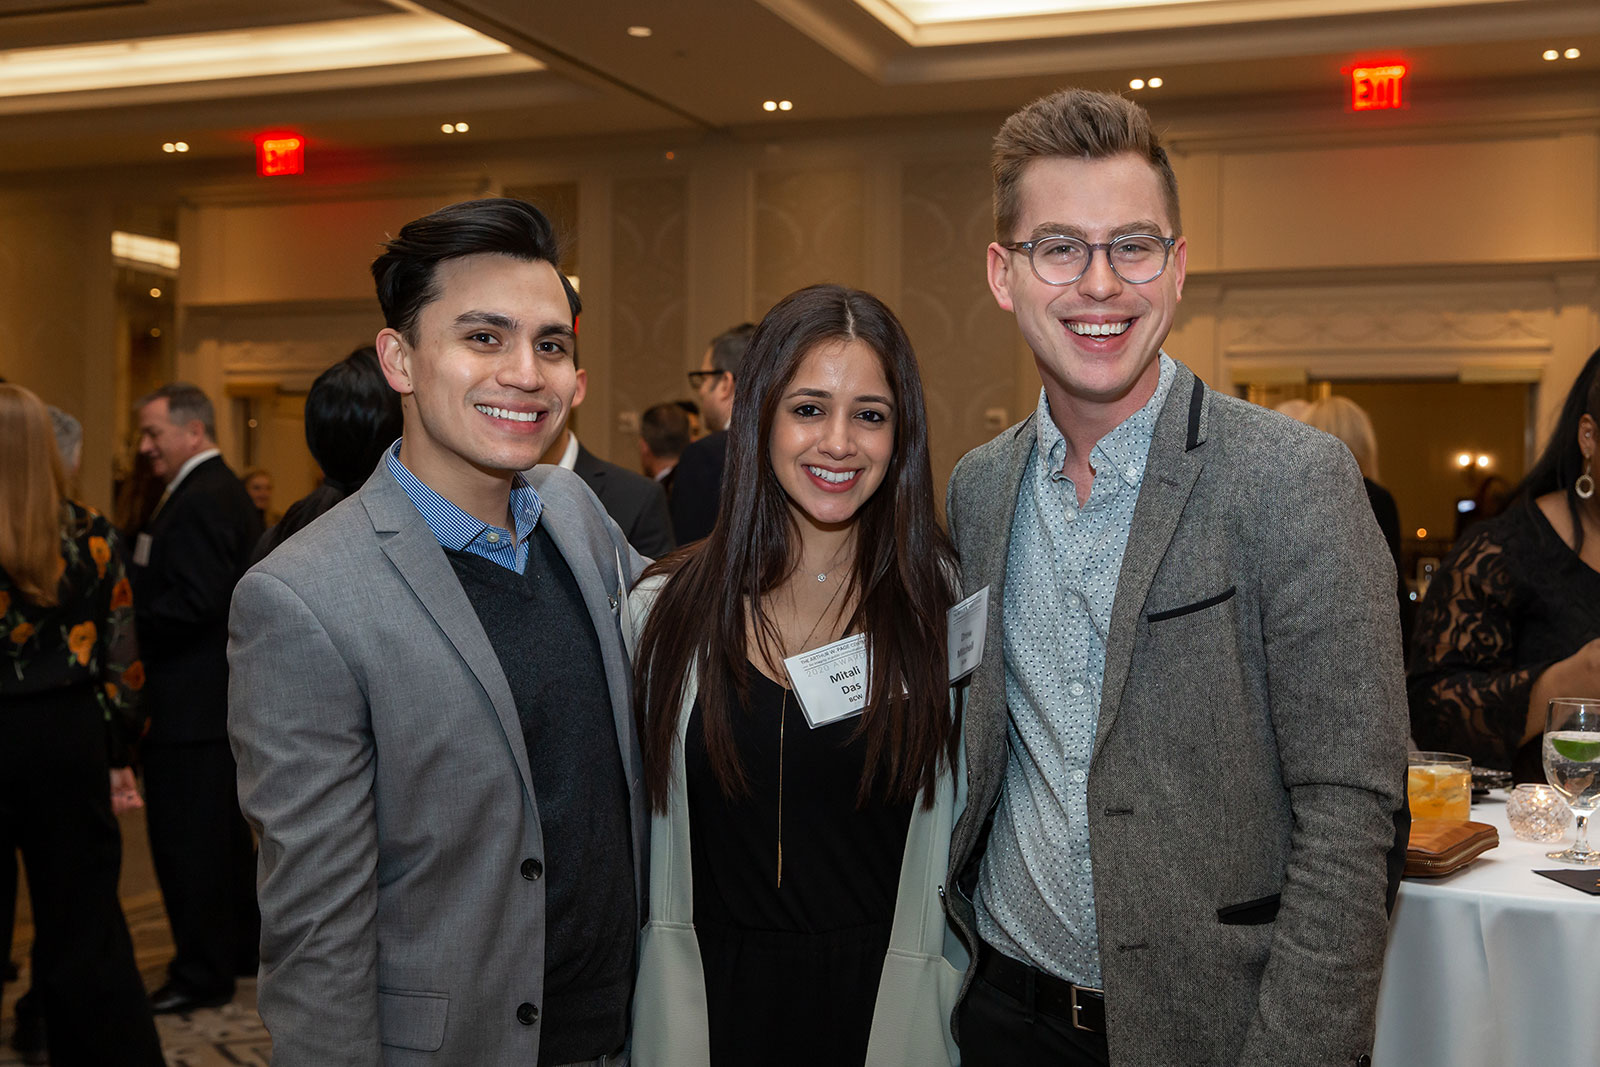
(1250, 747)
(383, 764)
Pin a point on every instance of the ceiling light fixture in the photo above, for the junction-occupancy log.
(785, 105)
(1550, 55)
(337, 44)
(1136, 84)
(169, 147)
(769, 105)
(137, 250)
(1155, 83)
(640, 31)
(156, 293)
(462, 127)
(1572, 53)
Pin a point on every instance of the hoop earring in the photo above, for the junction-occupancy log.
(1584, 486)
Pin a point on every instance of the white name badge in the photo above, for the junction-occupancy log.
(141, 550)
(831, 682)
(967, 624)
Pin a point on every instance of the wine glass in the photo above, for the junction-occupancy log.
(1572, 765)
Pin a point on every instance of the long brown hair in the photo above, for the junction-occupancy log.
(902, 576)
(31, 490)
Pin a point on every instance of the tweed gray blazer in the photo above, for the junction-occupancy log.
(1250, 747)
(382, 762)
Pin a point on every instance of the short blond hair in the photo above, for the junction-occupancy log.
(1343, 417)
(1074, 124)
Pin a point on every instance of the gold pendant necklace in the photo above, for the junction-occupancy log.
(783, 717)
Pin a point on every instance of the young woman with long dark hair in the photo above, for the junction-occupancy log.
(789, 862)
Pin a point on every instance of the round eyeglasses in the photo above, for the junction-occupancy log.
(1136, 258)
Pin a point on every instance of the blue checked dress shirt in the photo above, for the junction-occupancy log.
(1035, 898)
(457, 530)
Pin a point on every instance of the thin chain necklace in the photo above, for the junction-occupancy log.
(783, 717)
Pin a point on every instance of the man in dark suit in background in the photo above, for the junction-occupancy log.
(663, 435)
(186, 562)
(634, 502)
(697, 482)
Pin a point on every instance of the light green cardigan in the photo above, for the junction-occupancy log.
(921, 972)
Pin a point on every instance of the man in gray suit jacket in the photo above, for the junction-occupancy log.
(430, 699)
(1186, 742)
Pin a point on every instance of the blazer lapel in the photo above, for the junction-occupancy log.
(405, 538)
(1176, 458)
(986, 544)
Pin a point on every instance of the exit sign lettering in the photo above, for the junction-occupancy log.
(1378, 88)
(280, 153)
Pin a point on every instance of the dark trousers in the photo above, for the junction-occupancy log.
(998, 1030)
(205, 862)
(55, 803)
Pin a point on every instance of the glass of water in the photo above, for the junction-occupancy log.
(1572, 766)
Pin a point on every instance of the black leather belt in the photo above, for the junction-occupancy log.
(1081, 1006)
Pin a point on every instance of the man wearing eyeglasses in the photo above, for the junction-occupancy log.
(698, 479)
(1186, 743)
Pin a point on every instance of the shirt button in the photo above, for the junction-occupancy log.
(493, 538)
(527, 1014)
(1085, 864)
(532, 870)
(1078, 776)
(1133, 472)
(1076, 689)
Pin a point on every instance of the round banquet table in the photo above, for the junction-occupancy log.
(1493, 966)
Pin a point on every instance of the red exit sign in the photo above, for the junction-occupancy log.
(280, 153)
(1378, 88)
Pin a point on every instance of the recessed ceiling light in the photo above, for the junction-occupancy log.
(785, 105)
(1551, 54)
(182, 146)
(155, 293)
(462, 127)
(448, 127)
(169, 147)
(1572, 53)
(769, 105)
(1155, 83)
(640, 31)
(1136, 84)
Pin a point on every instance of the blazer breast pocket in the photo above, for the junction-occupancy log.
(1181, 610)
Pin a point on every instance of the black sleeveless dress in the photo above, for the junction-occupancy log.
(792, 970)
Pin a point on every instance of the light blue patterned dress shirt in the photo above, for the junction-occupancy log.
(1035, 897)
(455, 529)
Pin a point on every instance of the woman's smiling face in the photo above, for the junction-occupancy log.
(834, 431)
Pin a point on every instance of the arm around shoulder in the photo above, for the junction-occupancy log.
(300, 729)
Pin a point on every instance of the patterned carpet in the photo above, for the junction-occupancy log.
(215, 1037)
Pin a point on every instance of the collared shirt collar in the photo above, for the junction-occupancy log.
(188, 468)
(1123, 450)
(569, 455)
(456, 530)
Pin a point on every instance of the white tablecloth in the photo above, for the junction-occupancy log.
(1493, 966)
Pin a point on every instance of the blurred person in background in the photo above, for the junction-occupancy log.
(69, 445)
(1345, 419)
(663, 435)
(1512, 618)
(258, 483)
(351, 417)
(69, 690)
(697, 485)
(696, 429)
(186, 562)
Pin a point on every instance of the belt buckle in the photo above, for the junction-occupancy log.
(1075, 989)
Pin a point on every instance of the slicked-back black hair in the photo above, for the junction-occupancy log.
(351, 417)
(406, 271)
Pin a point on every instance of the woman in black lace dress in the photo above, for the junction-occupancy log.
(1512, 618)
(69, 681)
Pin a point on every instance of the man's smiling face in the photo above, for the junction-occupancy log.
(489, 373)
(1096, 340)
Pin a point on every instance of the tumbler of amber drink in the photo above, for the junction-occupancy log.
(1439, 786)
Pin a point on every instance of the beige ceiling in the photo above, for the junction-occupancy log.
(709, 64)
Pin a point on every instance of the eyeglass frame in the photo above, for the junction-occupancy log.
(1167, 244)
(698, 376)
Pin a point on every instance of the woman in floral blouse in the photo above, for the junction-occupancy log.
(69, 683)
